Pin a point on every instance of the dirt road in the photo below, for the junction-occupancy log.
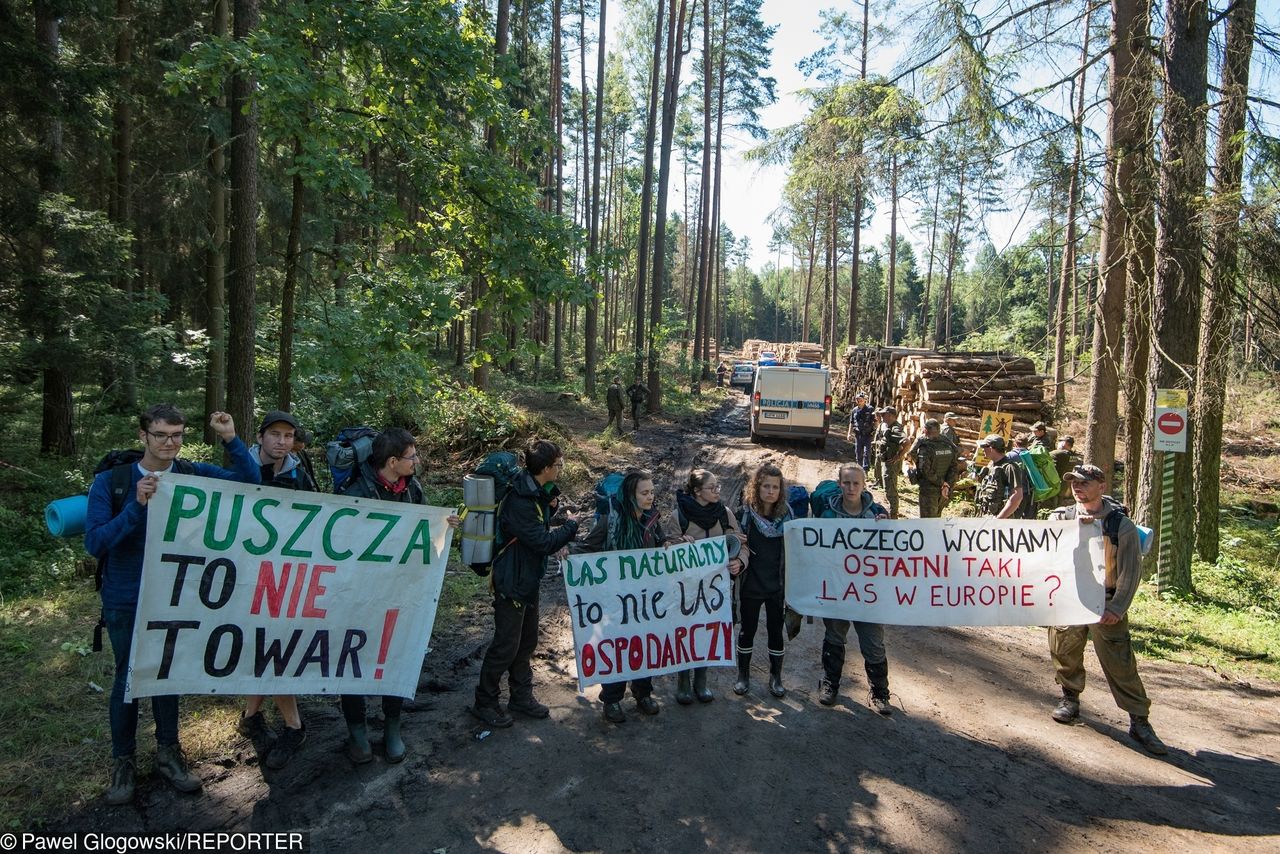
(969, 761)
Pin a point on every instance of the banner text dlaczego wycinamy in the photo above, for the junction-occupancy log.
(255, 590)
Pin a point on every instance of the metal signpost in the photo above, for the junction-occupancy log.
(1170, 437)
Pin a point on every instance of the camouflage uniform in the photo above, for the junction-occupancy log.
(935, 459)
(888, 445)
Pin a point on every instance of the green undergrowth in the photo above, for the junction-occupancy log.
(1232, 621)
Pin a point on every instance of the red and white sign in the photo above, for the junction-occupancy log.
(1170, 435)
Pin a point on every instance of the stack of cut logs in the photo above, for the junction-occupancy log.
(926, 384)
(796, 351)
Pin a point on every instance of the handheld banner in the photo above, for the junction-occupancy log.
(650, 611)
(256, 590)
(946, 572)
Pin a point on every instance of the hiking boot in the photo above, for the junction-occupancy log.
(172, 765)
(827, 692)
(613, 713)
(700, 689)
(286, 744)
(494, 716)
(743, 685)
(1140, 731)
(392, 744)
(530, 708)
(1067, 710)
(124, 774)
(358, 749)
(648, 706)
(880, 705)
(684, 687)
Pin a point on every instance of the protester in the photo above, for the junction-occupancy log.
(631, 523)
(701, 515)
(280, 467)
(388, 475)
(301, 439)
(116, 534)
(1004, 486)
(854, 502)
(1110, 635)
(524, 524)
(613, 400)
(862, 424)
(761, 581)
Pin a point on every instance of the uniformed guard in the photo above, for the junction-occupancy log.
(890, 446)
(934, 458)
(1004, 485)
(949, 430)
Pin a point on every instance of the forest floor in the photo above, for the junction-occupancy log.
(970, 760)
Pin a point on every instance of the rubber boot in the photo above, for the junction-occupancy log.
(700, 689)
(392, 743)
(358, 749)
(743, 685)
(832, 667)
(775, 674)
(684, 687)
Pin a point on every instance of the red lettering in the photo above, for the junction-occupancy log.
(635, 657)
(668, 653)
(315, 590)
(268, 588)
(693, 644)
(727, 634)
(905, 597)
(869, 593)
(824, 592)
(588, 659)
(852, 590)
(300, 572)
(682, 651)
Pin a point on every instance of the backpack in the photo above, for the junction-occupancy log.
(798, 498)
(503, 467)
(820, 498)
(346, 453)
(608, 488)
(1038, 466)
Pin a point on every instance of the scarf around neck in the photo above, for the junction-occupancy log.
(771, 528)
(705, 516)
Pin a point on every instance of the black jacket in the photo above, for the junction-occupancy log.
(524, 526)
(365, 484)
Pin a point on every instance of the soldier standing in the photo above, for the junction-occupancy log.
(1004, 485)
(638, 394)
(613, 399)
(949, 430)
(934, 458)
(890, 446)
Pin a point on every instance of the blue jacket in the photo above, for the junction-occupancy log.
(870, 509)
(119, 539)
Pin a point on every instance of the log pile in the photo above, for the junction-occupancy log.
(926, 384)
(795, 351)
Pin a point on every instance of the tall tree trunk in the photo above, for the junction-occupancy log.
(557, 100)
(671, 91)
(893, 249)
(1124, 137)
(704, 207)
(215, 372)
(242, 287)
(646, 190)
(482, 289)
(1067, 281)
(855, 262)
(1179, 244)
(292, 253)
(954, 251)
(1216, 319)
(813, 258)
(124, 394)
(714, 310)
(593, 245)
(933, 238)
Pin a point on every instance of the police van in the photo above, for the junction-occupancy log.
(790, 401)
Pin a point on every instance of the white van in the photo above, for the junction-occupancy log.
(791, 402)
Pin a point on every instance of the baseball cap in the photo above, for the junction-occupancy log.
(274, 416)
(1039, 425)
(862, 395)
(949, 415)
(931, 423)
(889, 409)
(1085, 473)
(995, 441)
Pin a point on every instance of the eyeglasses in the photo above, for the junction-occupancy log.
(412, 459)
(713, 487)
(167, 438)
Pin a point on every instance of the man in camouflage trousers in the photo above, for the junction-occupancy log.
(890, 447)
(934, 458)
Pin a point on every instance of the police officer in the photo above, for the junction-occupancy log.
(890, 445)
(934, 458)
(862, 425)
(949, 430)
(1004, 485)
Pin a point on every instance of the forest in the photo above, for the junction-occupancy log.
(360, 210)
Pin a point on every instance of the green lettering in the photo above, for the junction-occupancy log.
(272, 535)
(312, 510)
(419, 541)
(327, 539)
(371, 553)
(623, 563)
(179, 511)
(211, 540)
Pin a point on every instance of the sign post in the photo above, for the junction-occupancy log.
(1169, 438)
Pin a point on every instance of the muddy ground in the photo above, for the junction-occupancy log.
(970, 760)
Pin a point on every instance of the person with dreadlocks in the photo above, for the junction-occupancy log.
(760, 583)
(631, 523)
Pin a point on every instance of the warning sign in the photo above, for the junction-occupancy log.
(999, 423)
(1170, 435)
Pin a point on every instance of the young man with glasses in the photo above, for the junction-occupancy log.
(116, 534)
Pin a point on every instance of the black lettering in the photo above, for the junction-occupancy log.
(170, 629)
(228, 583)
(271, 655)
(212, 646)
(180, 577)
(317, 653)
(352, 643)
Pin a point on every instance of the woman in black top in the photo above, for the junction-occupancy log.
(761, 582)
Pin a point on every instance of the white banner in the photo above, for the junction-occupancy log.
(946, 572)
(249, 589)
(650, 611)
